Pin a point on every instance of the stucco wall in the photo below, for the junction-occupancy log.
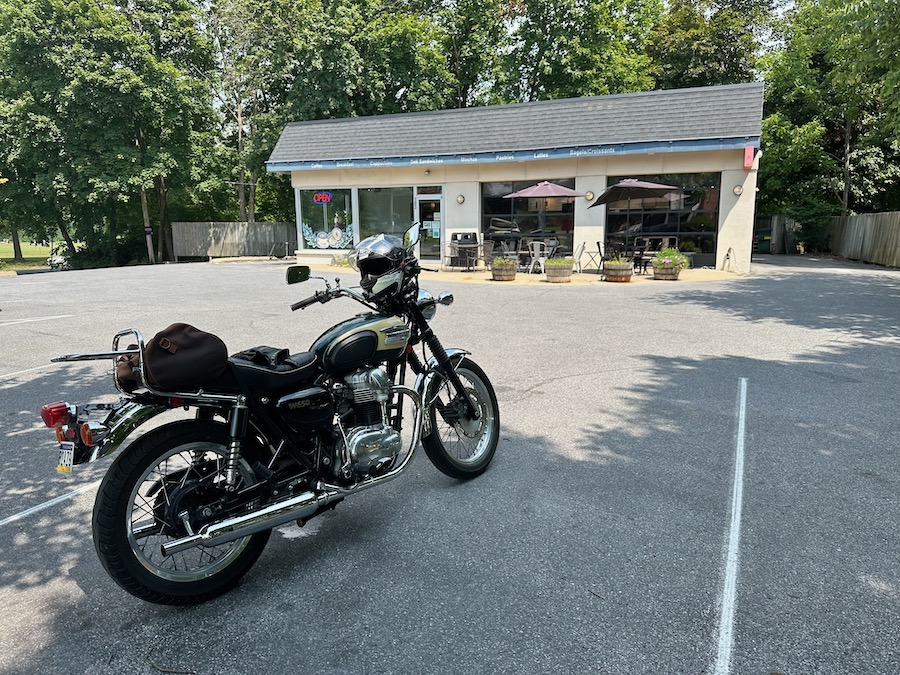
(735, 212)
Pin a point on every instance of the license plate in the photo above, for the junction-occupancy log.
(66, 457)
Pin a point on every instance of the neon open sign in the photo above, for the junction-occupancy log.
(322, 198)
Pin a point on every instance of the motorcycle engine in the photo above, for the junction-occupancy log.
(372, 444)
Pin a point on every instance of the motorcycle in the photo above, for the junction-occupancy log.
(185, 510)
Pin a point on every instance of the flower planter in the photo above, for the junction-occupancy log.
(666, 272)
(618, 272)
(504, 273)
(558, 274)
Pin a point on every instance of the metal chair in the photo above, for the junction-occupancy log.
(452, 258)
(486, 254)
(538, 256)
(577, 257)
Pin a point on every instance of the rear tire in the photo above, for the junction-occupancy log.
(173, 470)
(459, 447)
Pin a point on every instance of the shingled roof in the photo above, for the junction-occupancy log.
(679, 119)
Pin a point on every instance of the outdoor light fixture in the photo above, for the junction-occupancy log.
(589, 195)
(738, 190)
(460, 199)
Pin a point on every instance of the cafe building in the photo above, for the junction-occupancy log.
(452, 169)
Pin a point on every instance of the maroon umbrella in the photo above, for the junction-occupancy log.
(631, 188)
(541, 191)
(545, 189)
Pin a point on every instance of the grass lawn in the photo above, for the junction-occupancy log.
(35, 256)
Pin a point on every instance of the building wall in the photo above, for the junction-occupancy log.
(735, 212)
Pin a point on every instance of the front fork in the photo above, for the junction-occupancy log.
(443, 360)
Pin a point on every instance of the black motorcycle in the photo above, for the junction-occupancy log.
(187, 508)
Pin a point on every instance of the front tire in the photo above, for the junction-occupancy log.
(458, 446)
(164, 485)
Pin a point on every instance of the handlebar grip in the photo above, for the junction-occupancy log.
(303, 304)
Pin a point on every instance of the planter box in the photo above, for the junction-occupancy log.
(618, 272)
(558, 274)
(666, 273)
(503, 273)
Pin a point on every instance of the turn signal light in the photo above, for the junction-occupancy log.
(60, 434)
(54, 414)
(87, 436)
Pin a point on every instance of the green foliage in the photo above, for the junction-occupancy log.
(619, 260)
(559, 262)
(707, 42)
(568, 48)
(504, 263)
(670, 257)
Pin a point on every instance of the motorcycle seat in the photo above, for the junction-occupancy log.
(281, 374)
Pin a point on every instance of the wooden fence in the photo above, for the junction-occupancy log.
(221, 240)
(870, 237)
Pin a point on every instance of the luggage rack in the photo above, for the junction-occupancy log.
(115, 354)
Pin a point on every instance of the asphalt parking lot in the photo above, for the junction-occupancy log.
(693, 477)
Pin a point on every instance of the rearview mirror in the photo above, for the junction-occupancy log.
(411, 236)
(297, 273)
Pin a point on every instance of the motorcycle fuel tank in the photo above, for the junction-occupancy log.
(365, 340)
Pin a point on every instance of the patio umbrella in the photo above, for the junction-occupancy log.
(541, 191)
(631, 188)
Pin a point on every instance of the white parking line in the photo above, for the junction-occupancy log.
(729, 596)
(28, 370)
(40, 318)
(48, 504)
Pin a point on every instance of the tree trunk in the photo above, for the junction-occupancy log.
(845, 198)
(65, 233)
(147, 229)
(17, 246)
(165, 249)
(242, 198)
(251, 204)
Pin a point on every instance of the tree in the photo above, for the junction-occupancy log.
(708, 42)
(94, 114)
(828, 143)
(568, 48)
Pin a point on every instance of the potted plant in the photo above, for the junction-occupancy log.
(503, 269)
(559, 270)
(667, 263)
(618, 269)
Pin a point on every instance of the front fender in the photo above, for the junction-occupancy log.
(120, 422)
(428, 381)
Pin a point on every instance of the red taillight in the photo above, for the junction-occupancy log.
(55, 414)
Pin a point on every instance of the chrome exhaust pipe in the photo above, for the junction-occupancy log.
(303, 505)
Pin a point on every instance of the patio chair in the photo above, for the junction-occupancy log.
(538, 256)
(487, 253)
(577, 256)
(452, 259)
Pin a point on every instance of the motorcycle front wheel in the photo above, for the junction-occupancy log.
(165, 486)
(459, 446)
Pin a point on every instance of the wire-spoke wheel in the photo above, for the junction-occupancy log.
(166, 486)
(458, 445)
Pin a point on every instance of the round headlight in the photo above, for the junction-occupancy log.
(425, 302)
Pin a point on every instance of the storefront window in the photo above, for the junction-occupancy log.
(325, 217)
(512, 222)
(388, 210)
(688, 217)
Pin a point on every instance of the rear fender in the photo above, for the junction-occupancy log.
(116, 426)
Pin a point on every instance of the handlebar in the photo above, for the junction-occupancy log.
(330, 294)
(318, 296)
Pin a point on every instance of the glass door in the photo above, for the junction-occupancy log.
(428, 214)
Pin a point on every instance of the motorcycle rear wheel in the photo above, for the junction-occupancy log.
(457, 446)
(173, 470)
